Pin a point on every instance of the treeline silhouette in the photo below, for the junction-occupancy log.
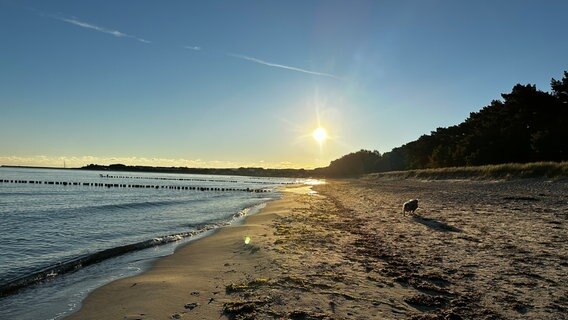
(528, 125)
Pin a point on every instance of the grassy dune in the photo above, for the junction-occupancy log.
(554, 170)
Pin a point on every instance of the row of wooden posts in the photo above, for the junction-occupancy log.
(137, 186)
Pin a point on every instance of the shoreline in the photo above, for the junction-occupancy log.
(73, 264)
(74, 228)
(201, 261)
(474, 250)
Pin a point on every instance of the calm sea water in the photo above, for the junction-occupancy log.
(45, 226)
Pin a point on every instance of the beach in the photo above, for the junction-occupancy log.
(474, 250)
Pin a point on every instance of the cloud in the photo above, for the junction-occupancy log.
(275, 65)
(87, 25)
(194, 48)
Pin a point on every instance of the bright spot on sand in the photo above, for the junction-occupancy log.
(320, 134)
(314, 182)
(247, 239)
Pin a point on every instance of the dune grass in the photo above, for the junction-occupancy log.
(552, 170)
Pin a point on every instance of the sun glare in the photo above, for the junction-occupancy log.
(320, 135)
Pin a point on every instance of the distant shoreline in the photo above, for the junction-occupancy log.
(35, 167)
(545, 169)
(253, 172)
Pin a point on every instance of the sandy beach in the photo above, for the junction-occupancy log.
(475, 250)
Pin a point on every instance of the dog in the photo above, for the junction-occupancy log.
(410, 206)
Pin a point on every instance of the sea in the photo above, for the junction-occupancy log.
(64, 233)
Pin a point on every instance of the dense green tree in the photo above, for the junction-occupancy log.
(560, 88)
(526, 125)
(353, 164)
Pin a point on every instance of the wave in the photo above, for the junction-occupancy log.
(138, 204)
(25, 193)
(74, 264)
(116, 206)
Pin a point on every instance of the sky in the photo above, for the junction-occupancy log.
(245, 83)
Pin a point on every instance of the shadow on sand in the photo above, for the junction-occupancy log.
(435, 224)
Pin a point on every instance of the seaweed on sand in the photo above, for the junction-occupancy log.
(243, 310)
(240, 287)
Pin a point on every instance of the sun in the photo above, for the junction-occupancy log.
(320, 135)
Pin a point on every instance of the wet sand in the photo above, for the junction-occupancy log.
(474, 250)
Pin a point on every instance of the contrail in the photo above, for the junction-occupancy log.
(194, 48)
(120, 34)
(270, 64)
(87, 25)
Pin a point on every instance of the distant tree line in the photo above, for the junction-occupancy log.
(249, 171)
(528, 125)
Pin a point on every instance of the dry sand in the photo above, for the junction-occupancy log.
(475, 250)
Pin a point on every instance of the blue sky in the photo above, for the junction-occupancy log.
(244, 83)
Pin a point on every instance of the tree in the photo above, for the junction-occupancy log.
(560, 88)
(353, 164)
(527, 125)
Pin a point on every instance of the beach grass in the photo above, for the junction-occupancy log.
(552, 170)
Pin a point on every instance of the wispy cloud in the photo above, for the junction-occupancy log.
(276, 65)
(119, 34)
(87, 25)
(194, 48)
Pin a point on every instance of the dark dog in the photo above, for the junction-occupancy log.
(410, 206)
